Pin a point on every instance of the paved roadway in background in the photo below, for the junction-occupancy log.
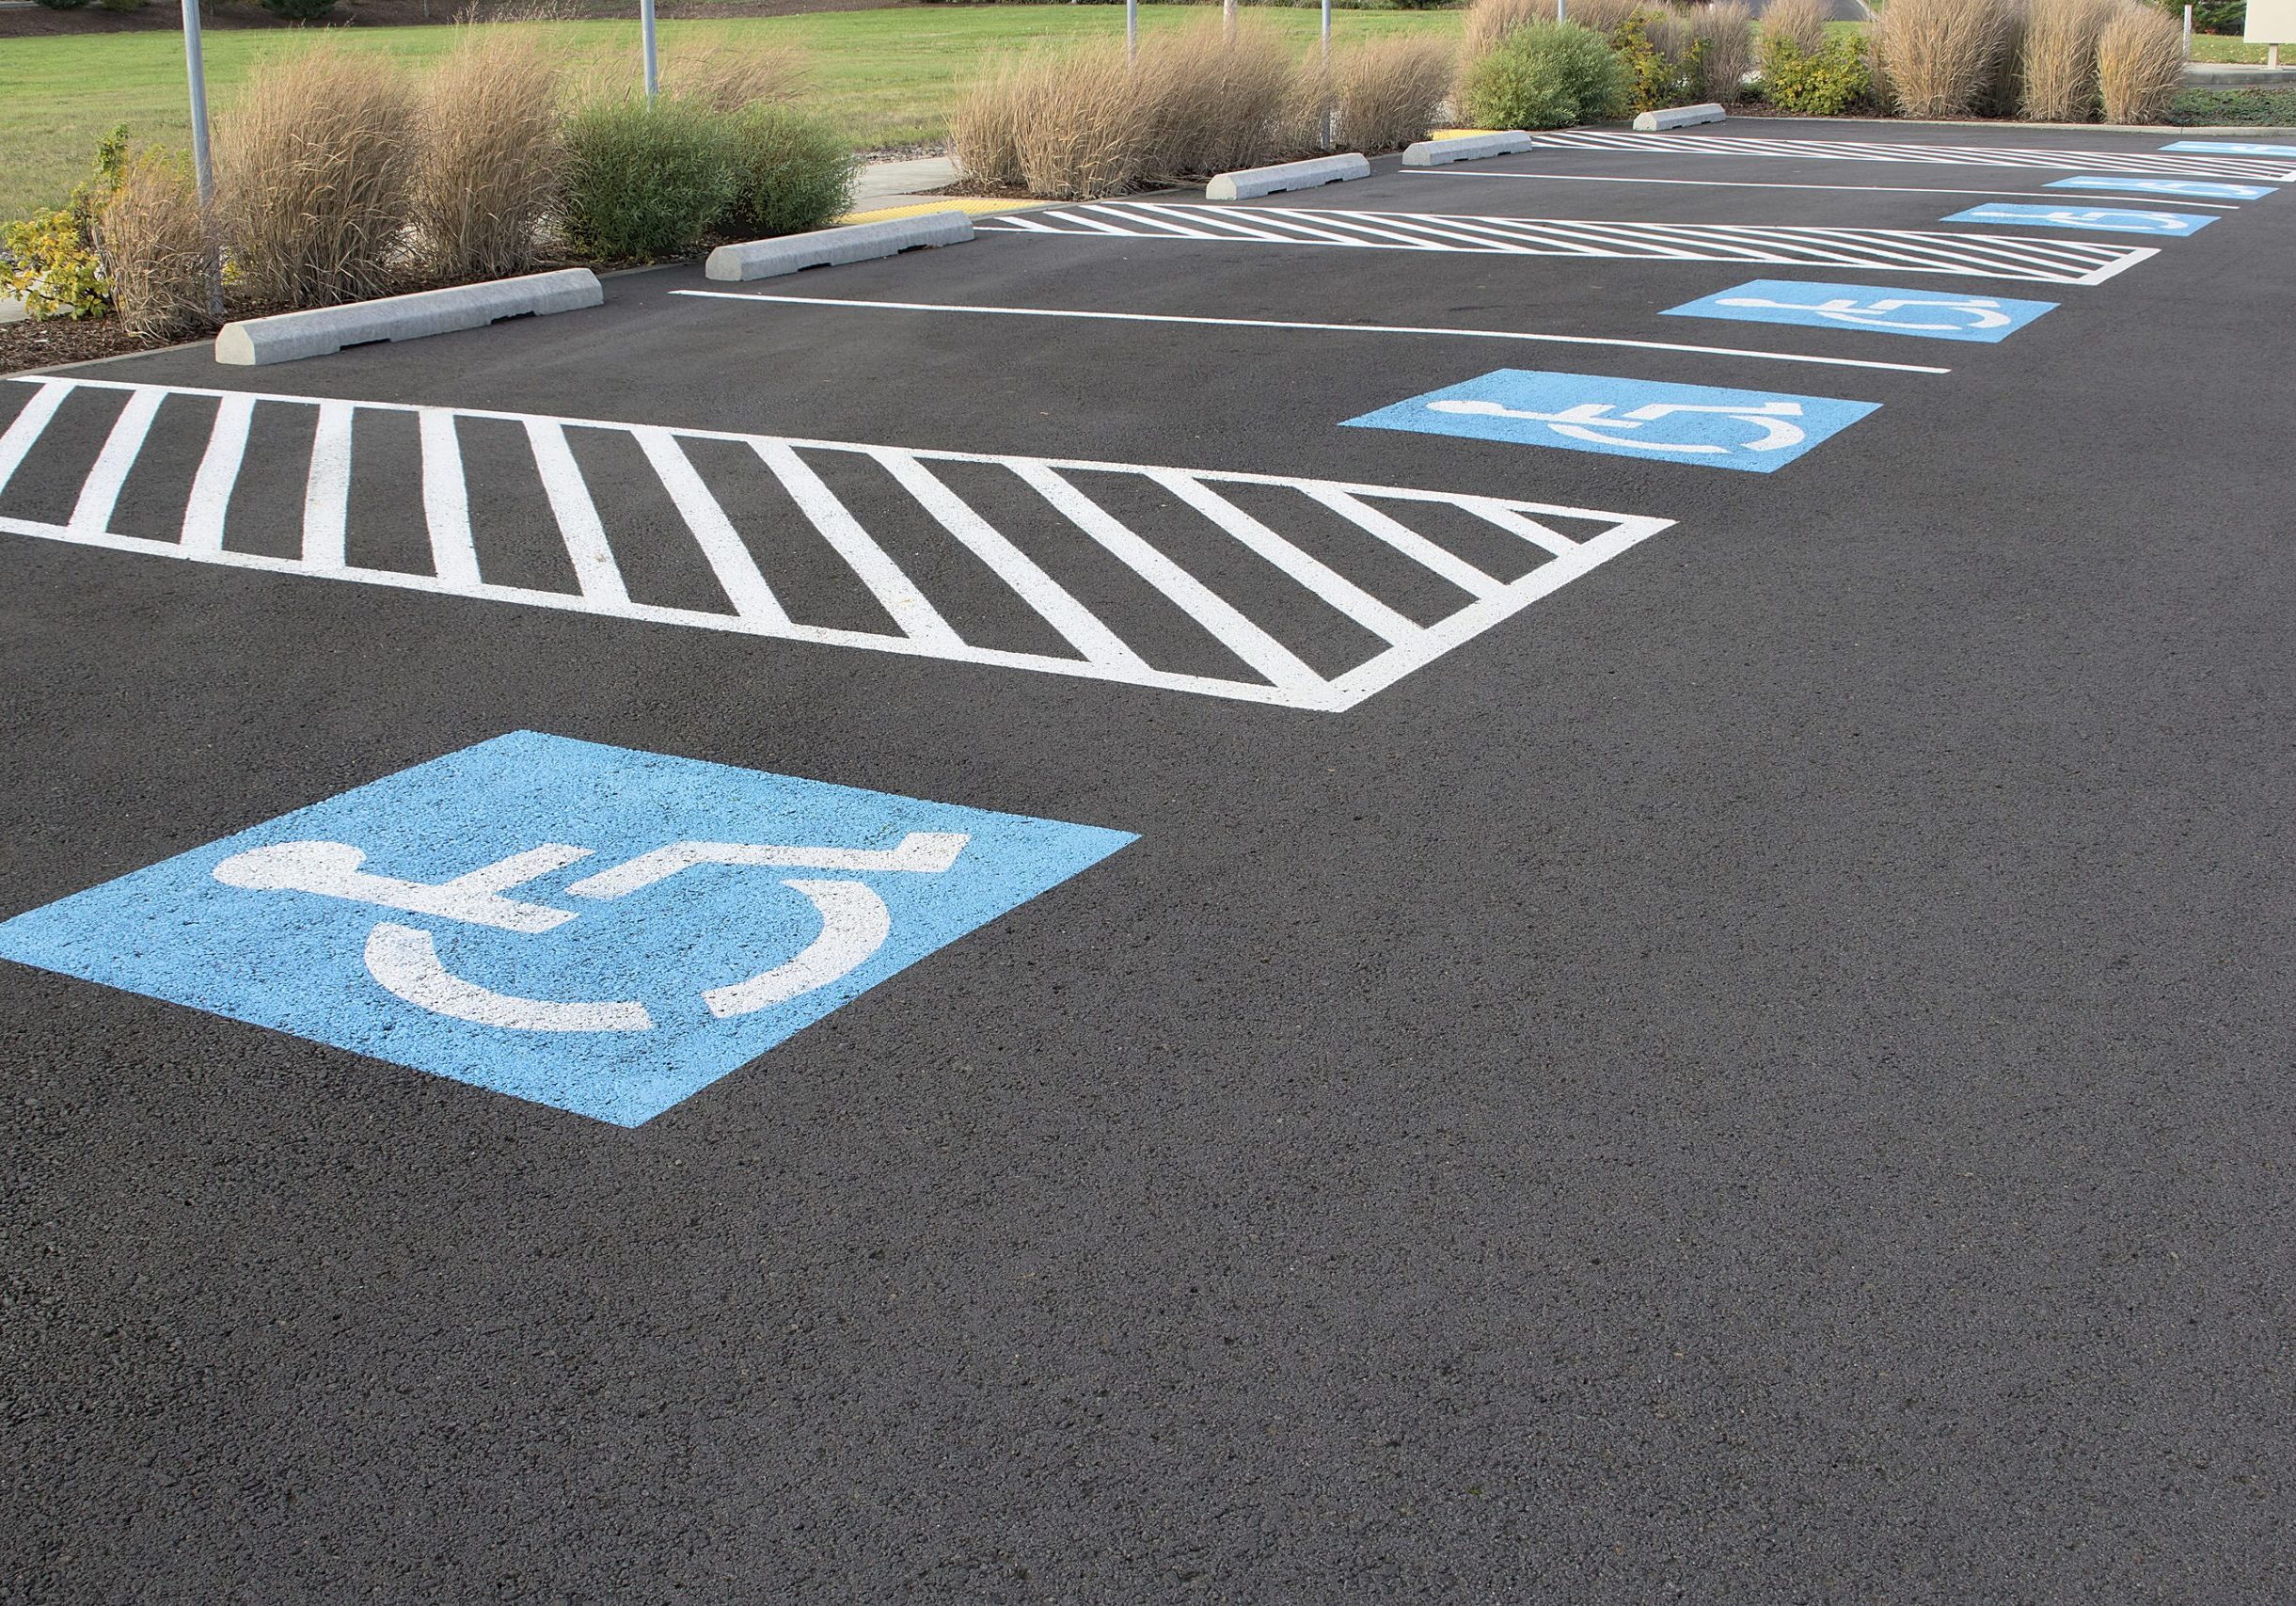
(1764, 1077)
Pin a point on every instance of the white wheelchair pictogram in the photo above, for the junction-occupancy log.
(1981, 314)
(2126, 222)
(403, 960)
(1595, 422)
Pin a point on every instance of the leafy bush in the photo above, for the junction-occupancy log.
(644, 180)
(1546, 75)
(298, 11)
(121, 5)
(488, 160)
(155, 249)
(1826, 81)
(312, 170)
(2220, 16)
(50, 263)
(2140, 64)
(791, 172)
(2213, 108)
(1654, 77)
(63, 5)
(47, 263)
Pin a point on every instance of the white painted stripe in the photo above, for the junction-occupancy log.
(1733, 183)
(1283, 668)
(446, 499)
(595, 569)
(211, 488)
(720, 543)
(1988, 256)
(25, 427)
(1319, 329)
(1882, 150)
(2140, 254)
(1328, 583)
(1015, 568)
(1409, 542)
(326, 493)
(895, 591)
(1514, 523)
(100, 491)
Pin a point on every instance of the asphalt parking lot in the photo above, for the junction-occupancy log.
(1502, 938)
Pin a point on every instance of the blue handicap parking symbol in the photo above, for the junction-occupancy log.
(1755, 430)
(2192, 189)
(2231, 147)
(1927, 314)
(2108, 220)
(593, 928)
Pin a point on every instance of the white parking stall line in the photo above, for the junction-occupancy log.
(1072, 619)
(1984, 255)
(1736, 184)
(1093, 315)
(729, 559)
(446, 499)
(2186, 166)
(1289, 550)
(896, 593)
(326, 489)
(100, 493)
(594, 568)
(211, 487)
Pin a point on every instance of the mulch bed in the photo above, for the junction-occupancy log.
(46, 342)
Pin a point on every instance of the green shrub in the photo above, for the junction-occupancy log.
(50, 263)
(644, 180)
(791, 172)
(2209, 108)
(2218, 16)
(1655, 80)
(63, 5)
(1545, 75)
(298, 11)
(1825, 82)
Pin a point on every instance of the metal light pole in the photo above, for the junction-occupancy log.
(1326, 74)
(204, 165)
(1132, 30)
(1228, 18)
(645, 30)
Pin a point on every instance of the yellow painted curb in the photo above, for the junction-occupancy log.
(1460, 132)
(970, 204)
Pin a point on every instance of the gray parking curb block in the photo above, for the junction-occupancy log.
(1468, 147)
(1305, 175)
(289, 336)
(1679, 116)
(828, 247)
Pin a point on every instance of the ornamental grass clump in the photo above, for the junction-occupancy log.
(2057, 79)
(1799, 23)
(155, 249)
(1942, 56)
(489, 155)
(1726, 33)
(1546, 75)
(2140, 64)
(1389, 92)
(1211, 102)
(313, 166)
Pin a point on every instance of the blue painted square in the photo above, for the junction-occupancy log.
(2192, 189)
(2231, 147)
(1758, 430)
(2107, 220)
(593, 928)
(1925, 314)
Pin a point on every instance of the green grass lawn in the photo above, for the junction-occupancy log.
(889, 75)
(2230, 47)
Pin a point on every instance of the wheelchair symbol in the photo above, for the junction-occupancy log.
(1983, 313)
(403, 960)
(2128, 222)
(1595, 422)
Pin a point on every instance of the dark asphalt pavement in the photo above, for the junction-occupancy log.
(1763, 1076)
